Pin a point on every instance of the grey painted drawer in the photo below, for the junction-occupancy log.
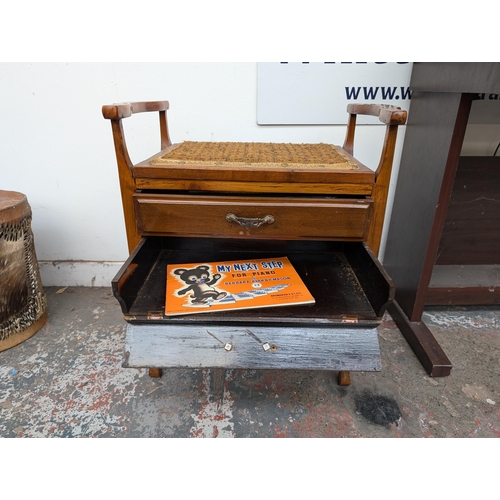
(196, 346)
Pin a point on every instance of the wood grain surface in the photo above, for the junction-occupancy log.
(188, 346)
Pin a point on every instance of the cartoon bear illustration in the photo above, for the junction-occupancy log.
(200, 284)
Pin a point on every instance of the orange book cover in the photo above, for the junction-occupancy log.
(220, 286)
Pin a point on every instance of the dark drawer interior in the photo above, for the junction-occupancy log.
(346, 280)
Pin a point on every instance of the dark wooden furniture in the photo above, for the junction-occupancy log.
(468, 258)
(423, 230)
(327, 221)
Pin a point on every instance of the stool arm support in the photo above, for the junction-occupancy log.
(392, 117)
(126, 109)
(116, 113)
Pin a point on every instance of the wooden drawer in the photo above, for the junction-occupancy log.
(347, 281)
(189, 346)
(256, 217)
(337, 332)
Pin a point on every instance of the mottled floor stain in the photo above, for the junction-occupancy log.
(379, 410)
(68, 381)
(214, 417)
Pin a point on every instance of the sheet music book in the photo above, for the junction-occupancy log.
(244, 284)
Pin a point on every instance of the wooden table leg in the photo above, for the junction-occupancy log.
(424, 345)
(344, 378)
(155, 372)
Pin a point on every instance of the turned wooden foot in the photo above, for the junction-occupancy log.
(155, 372)
(344, 378)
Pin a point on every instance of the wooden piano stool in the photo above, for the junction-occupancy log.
(212, 201)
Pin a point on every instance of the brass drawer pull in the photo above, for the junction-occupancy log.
(250, 222)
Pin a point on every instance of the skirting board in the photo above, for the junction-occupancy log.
(241, 347)
(77, 273)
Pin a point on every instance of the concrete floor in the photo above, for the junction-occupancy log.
(67, 381)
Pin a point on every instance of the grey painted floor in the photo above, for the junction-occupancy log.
(68, 381)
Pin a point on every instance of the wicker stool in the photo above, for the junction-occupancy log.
(22, 299)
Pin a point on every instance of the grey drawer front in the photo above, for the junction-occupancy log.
(169, 346)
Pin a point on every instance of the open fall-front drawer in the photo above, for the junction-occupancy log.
(338, 332)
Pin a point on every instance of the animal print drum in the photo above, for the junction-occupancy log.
(22, 299)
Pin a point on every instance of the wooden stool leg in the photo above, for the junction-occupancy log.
(344, 378)
(155, 372)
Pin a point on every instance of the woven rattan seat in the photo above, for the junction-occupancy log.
(257, 154)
